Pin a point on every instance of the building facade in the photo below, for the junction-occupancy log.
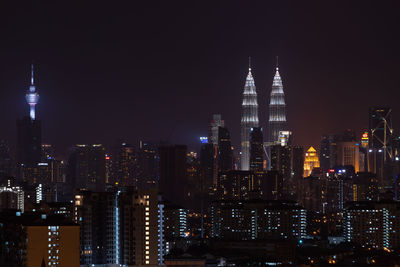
(373, 224)
(124, 227)
(277, 110)
(257, 219)
(256, 149)
(249, 119)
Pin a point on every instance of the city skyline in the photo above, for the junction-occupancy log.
(168, 134)
(113, 92)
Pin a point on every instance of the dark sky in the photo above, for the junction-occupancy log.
(159, 70)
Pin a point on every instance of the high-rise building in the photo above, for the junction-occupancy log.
(380, 139)
(173, 173)
(215, 123)
(312, 190)
(207, 166)
(124, 163)
(175, 221)
(339, 150)
(6, 162)
(141, 228)
(256, 149)
(240, 185)
(311, 161)
(277, 112)
(123, 227)
(35, 239)
(365, 187)
(97, 215)
(87, 167)
(257, 219)
(272, 185)
(29, 137)
(339, 190)
(249, 119)
(29, 147)
(324, 153)
(348, 154)
(373, 224)
(297, 162)
(11, 197)
(281, 161)
(148, 165)
(225, 155)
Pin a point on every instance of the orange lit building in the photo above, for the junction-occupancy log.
(52, 244)
(38, 240)
(311, 161)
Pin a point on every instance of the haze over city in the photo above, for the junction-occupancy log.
(160, 70)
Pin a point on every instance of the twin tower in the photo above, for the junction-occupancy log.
(276, 121)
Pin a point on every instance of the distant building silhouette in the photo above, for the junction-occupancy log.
(87, 167)
(256, 149)
(173, 173)
(225, 153)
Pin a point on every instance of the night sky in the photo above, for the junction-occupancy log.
(159, 70)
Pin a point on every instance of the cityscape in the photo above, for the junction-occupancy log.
(131, 160)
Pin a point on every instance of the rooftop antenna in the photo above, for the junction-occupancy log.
(277, 63)
(249, 63)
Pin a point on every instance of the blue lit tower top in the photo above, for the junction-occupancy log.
(249, 119)
(277, 109)
(32, 98)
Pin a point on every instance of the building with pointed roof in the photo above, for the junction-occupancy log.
(32, 97)
(249, 119)
(311, 161)
(277, 110)
(29, 138)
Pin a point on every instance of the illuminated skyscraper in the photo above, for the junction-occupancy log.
(29, 138)
(380, 143)
(311, 161)
(249, 119)
(32, 97)
(277, 113)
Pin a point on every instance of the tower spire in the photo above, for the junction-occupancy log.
(249, 63)
(32, 79)
(277, 63)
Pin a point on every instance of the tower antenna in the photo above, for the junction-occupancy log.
(249, 62)
(32, 79)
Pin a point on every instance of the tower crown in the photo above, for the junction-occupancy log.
(32, 97)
